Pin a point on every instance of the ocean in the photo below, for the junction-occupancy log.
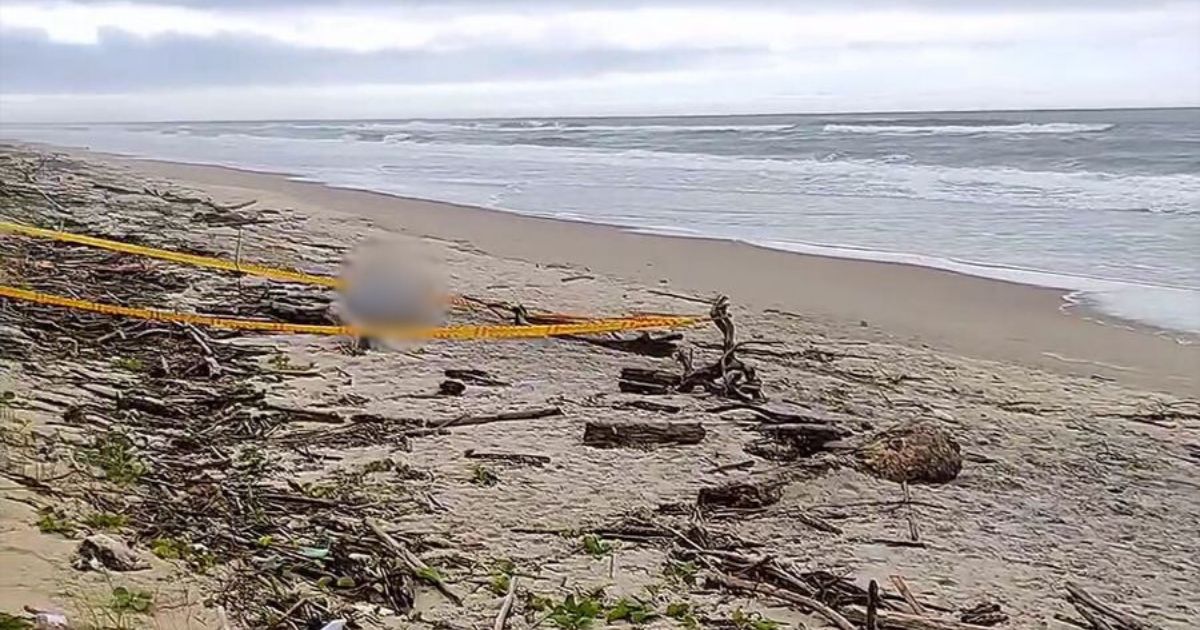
(1102, 203)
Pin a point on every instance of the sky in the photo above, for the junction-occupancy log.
(278, 59)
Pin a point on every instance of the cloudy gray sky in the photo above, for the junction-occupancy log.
(239, 59)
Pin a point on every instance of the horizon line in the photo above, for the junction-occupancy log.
(624, 116)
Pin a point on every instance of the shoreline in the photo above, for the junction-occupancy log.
(1118, 301)
(979, 317)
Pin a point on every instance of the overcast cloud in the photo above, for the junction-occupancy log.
(190, 59)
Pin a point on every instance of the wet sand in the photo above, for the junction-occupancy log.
(966, 315)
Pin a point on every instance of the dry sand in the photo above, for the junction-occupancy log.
(1064, 479)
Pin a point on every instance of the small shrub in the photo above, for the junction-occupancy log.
(680, 572)
(501, 576)
(379, 465)
(281, 362)
(576, 612)
(129, 364)
(52, 521)
(538, 603)
(595, 546)
(430, 574)
(196, 556)
(105, 521)
(115, 454)
(169, 548)
(684, 614)
(126, 600)
(752, 621)
(483, 476)
(631, 610)
(251, 459)
(499, 583)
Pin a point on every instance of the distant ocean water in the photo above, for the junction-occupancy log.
(1105, 204)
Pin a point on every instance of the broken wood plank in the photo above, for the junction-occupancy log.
(648, 405)
(791, 415)
(463, 421)
(516, 458)
(607, 434)
(474, 377)
(645, 344)
(507, 416)
(297, 414)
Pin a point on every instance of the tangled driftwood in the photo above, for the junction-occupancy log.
(727, 377)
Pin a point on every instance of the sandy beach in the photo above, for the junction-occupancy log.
(965, 315)
(1080, 439)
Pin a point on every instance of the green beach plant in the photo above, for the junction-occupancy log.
(483, 476)
(595, 546)
(52, 521)
(115, 454)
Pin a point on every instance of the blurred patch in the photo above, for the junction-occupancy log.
(389, 283)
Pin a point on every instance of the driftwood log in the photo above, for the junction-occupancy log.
(644, 381)
(509, 458)
(474, 377)
(451, 388)
(649, 405)
(803, 439)
(606, 434)
(646, 344)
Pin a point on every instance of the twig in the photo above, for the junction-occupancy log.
(680, 296)
(1076, 592)
(891, 542)
(475, 377)
(873, 606)
(288, 613)
(415, 565)
(749, 463)
(808, 603)
(508, 416)
(894, 620)
(902, 586)
(815, 523)
(506, 605)
(516, 458)
(648, 405)
(914, 534)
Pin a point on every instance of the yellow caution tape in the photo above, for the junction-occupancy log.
(461, 332)
(179, 257)
(250, 269)
(572, 325)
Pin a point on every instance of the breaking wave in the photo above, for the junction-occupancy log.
(961, 130)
